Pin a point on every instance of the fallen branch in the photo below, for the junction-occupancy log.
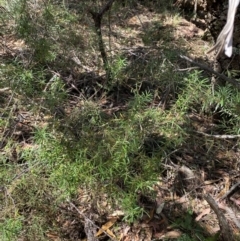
(226, 231)
(231, 190)
(208, 69)
(219, 136)
(5, 90)
(231, 214)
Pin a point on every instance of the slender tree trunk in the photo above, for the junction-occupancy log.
(97, 18)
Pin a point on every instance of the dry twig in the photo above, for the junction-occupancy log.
(89, 221)
(231, 190)
(219, 136)
(210, 70)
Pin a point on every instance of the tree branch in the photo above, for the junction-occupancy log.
(226, 231)
(208, 69)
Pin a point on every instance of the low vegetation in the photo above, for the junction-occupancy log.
(106, 137)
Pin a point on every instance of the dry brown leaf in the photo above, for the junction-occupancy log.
(160, 208)
(226, 187)
(117, 213)
(170, 235)
(110, 233)
(208, 182)
(203, 213)
(150, 215)
(173, 234)
(157, 225)
(106, 227)
(236, 201)
(124, 233)
(227, 183)
(182, 200)
(53, 236)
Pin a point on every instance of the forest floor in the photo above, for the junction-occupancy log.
(206, 163)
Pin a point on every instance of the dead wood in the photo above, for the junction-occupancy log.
(227, 233)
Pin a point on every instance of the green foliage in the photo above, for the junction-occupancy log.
(118, 153)
(192, 230)
(225, 102)
(192, 92)
(23, 80)
(117, 67)
(11, 228)
(153, 34)
(46, 29)
(36, 28)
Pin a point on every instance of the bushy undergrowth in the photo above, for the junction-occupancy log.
(118, 153)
